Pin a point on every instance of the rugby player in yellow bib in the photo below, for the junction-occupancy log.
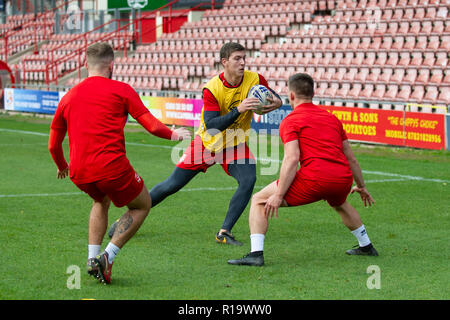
(221, 137)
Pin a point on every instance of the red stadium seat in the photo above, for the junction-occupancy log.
(374, 74)
(355, 91)
(444, 96)
(429, 59)
(351, 74)
(391, 92)
(366, 93)
(404, 93)
(386, 75)
(392, 59)
(423, 76)
(362, 74)
(398, 75)
(379, 91)
(417, 94)
(405, 59)
(411, 75)
(342, 93)
(431, 94)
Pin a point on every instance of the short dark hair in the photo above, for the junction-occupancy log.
(99, 54)
(302, 85)
(230, 47)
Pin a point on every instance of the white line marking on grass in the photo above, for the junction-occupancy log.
(407, 177)
(25, 132)
(40, 194)
(404, 176)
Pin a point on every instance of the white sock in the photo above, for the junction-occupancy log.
(361, 235)
(93, 250)
(112, 251)
(257, 242)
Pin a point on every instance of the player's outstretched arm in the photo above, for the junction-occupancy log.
(56, 151)
(157, 128)
(357, 175)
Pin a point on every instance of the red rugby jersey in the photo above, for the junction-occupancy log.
(94, 114)
(320, 135)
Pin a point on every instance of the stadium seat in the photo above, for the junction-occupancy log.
(436, 76)
(374, 74)
(366, 93)
(381, 58)
(405, 59)
(423, 76)
(391, 93)
(411, 75)
(417, 94)
(431, 94)
(342, 93)
(362, 74)
(404, 93)
(386, 75)
(398, 75)
(354, 92)
(444, 96)
(378, 93)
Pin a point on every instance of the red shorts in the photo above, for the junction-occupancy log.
(121, 190)
(304, 191)
(197, 157)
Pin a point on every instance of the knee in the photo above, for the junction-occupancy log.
(258, 199)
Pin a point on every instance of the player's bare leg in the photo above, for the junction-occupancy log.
(259, 223)
(98, 222)
(352, 220)
(131, 221)
(127, 226)
(350, 217)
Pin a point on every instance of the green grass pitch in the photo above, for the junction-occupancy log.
(44, 224)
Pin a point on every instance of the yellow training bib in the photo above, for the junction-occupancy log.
(228, 99)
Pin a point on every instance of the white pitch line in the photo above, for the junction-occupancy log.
(408, 177)
(25, 132)
(24, 195)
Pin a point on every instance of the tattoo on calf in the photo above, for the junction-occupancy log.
(124, 223)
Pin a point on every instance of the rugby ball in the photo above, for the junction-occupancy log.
(261, 93)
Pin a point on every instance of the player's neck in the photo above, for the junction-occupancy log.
(97, 75)
(298, 102)
(232, 80)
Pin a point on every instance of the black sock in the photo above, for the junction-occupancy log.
(256, 253)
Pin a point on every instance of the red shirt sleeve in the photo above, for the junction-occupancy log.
(58, 122)
(135, 107)
(209, 101)
(263, 81)
(287, 131)
(154, 126)
(55, 147)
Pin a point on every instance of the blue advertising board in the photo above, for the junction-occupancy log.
(447, 129)
(31, 100)
(270, 122)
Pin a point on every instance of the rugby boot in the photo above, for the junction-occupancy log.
(252, 259)
(92, 269)
(227, 238)
(104, 268)
(368, 250)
